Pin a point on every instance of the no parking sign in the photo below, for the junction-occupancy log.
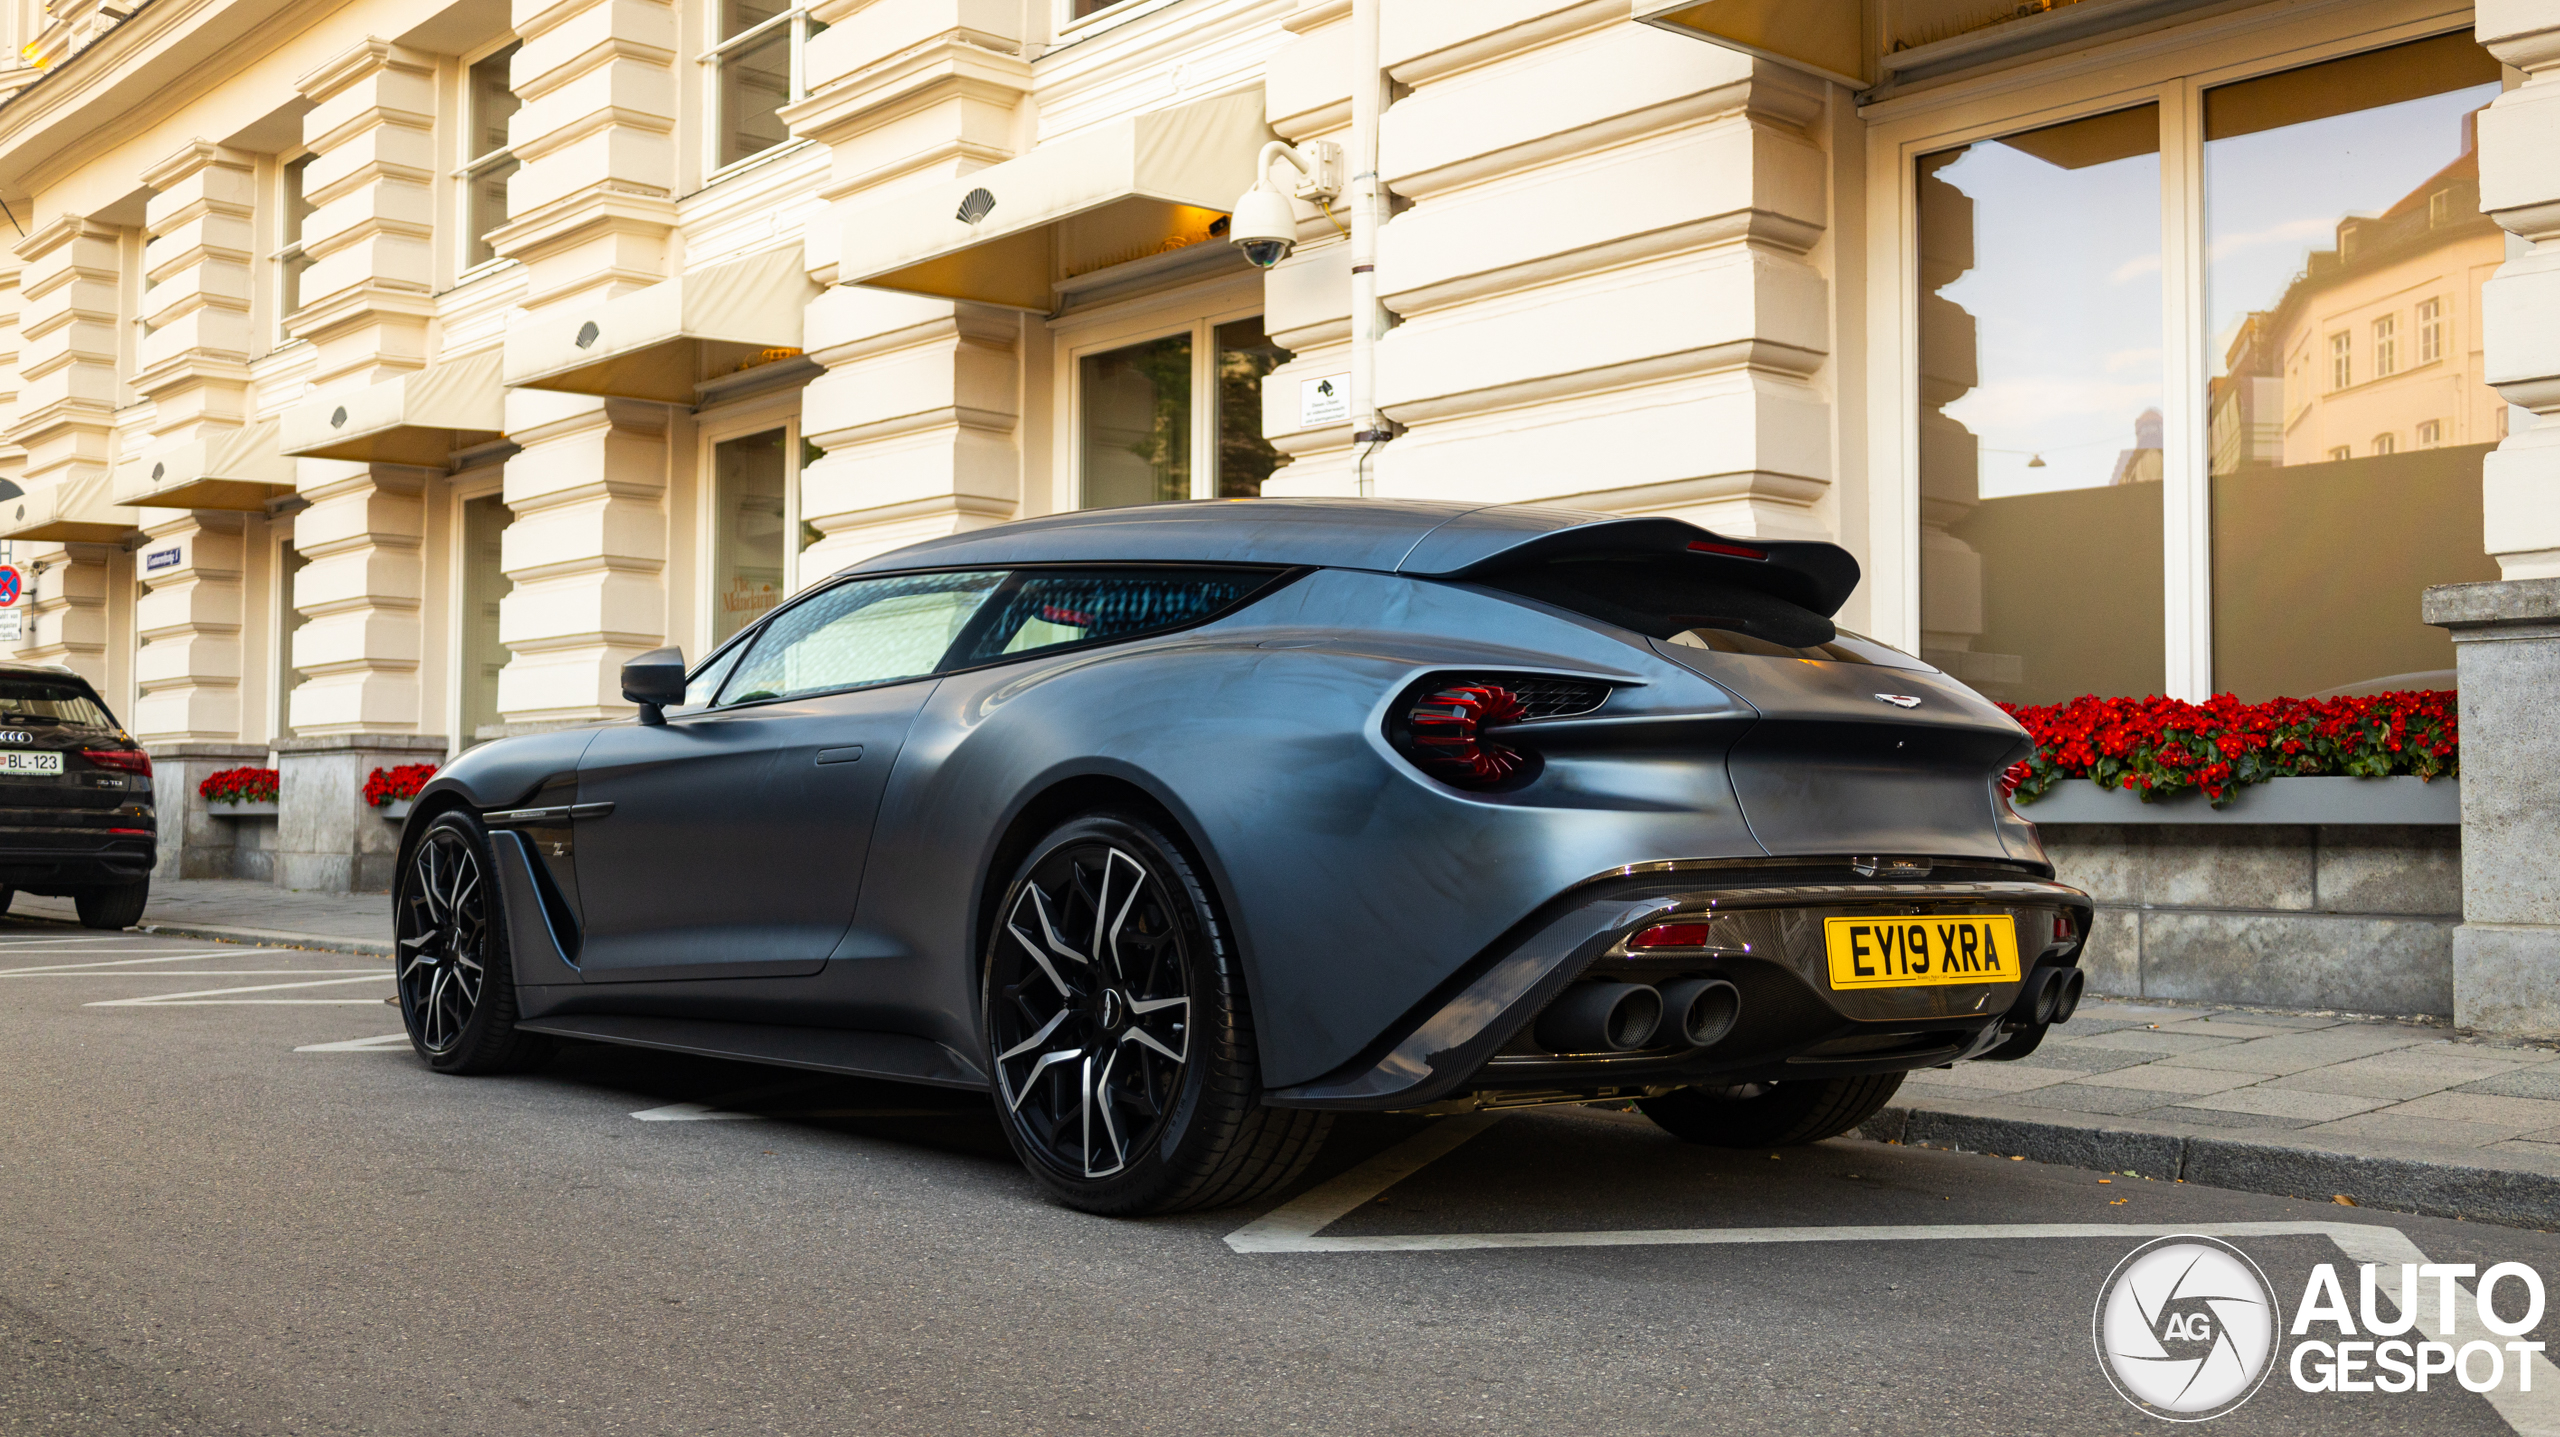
(12, 584)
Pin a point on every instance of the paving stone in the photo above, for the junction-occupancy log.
(2144, 1040)
(2293, 1052)
(2392, 1084)
(2216, 1118)
(2223, 1028)
(2521, 1115)
(2290, 1022)
(2162, 1078)
(2383, 1126)
(2000, 1077)
(2085, 1098)
(2120, 1010)
(2535, 1082)
(2284, 1103)
(2084, 1026)
(2081, 1058)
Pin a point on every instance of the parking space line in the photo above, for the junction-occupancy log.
(384, 1044)
(211, 997)
(1297, 1226)
(210, 973)
(695, 1113)
(124, 962)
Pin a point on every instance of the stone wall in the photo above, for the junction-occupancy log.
(2354, 917)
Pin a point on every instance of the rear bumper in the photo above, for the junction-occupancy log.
(1473, 1040)
(57, 859)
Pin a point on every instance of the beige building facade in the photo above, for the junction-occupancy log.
(378, 377)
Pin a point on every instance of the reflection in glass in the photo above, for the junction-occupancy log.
(748, 476)
(1135, 420)
(1245, 458)
(755, 80)
(2346, 410)
(2040, 425)
(484, 584)
(290, 260)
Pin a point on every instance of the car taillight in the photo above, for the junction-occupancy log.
(1672, 935)
(126, 760)
(1450, 734)
(2014, 775)
(2064, 926)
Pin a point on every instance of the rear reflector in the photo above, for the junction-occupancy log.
(129, 830)
(128, 760)
(1672, 935)
(1736, 551)
(2064, 927)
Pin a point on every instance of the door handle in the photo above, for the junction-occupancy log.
(851, 753)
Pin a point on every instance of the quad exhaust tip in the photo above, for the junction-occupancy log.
(1700, 1011)
(1609, 1017)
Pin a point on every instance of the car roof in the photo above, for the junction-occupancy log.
(50, 671)
(1400, 536)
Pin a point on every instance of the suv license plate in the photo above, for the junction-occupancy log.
(1918, 952)
(12, 761)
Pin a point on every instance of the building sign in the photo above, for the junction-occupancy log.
(1324, 401)
(159, 559)
(10, 620)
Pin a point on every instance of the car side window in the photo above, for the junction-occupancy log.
(1054, 608)
(867, 631)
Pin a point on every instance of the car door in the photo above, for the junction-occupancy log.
(730, 840)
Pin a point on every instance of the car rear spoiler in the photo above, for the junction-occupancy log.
(1817, 575)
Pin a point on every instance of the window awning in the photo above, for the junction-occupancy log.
(74, 511)
(658, 343)
(1826, 37)
(240, 470)
(418, 418)
(1124, 191)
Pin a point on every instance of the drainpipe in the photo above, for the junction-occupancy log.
(1369, 428)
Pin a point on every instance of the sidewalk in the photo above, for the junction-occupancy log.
(2384, 1113)
(242, 912)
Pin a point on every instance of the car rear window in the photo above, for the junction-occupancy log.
(1844, 648)
(50, 701)
(1041, 609)
(1667, 595)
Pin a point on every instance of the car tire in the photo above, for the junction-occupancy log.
(456, 977)
(112, 906)
(1771, 1115)
(1156, 998)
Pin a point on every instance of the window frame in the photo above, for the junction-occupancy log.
(470, 164)
(1194, 310)
(2172, 69)
(712, 428)
(798, 19)
(284, 280)
(481, 481)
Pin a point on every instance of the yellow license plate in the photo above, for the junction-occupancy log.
(1918, 952)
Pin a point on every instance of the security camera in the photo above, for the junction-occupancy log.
(1265, 223)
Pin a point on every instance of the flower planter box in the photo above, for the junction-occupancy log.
(242, 810)
(397, 809)
(2285, 800)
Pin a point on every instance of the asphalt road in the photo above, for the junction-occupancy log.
(207, 1227)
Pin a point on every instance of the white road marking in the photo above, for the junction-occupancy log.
(213, 997)
(695, 1113)
(124, 963)
(1295, 1226)
(384, 1044)
(210, 973)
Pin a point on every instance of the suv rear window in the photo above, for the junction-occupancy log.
(50, 701)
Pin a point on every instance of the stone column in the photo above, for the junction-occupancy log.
(67, 390)
(327, 837)
(919, 410)
(13, 457)
(592, 216)
(367, 297)
(2506, 954)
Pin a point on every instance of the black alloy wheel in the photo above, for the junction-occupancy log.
(457, 988)
(1117, 1025)
(1770, 1115)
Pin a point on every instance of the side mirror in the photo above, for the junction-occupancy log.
(653, 681)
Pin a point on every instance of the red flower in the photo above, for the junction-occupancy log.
(239, 785)
(2158, 746)
(389, 785)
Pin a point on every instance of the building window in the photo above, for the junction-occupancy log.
(757, 67)
(2342, 368)
(1143, 439)
(291, 210)
(2430, 433)
(290, 562)
(2383, 137)
(750, 496)
(484, 587)
(1078, 9)
(488, 102)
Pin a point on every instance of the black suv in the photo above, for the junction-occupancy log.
(76, 817)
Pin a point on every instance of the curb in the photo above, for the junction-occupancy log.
(2450, 1183)
(258, 937)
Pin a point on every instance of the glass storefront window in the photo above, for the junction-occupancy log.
(1245, 458)
(2347, 411)
(2041, 386)
(1135, 423)
(750, 476)
(484, 584)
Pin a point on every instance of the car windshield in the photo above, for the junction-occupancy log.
(49, 701)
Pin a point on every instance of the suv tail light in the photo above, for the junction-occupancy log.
(125, 760)
(1454, 728)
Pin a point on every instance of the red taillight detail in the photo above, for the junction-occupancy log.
(129, 830)
(2014, 775)
(1672, 935)
(2064, 927)
(1449, 727)
(1732, 551)
(128, 760)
